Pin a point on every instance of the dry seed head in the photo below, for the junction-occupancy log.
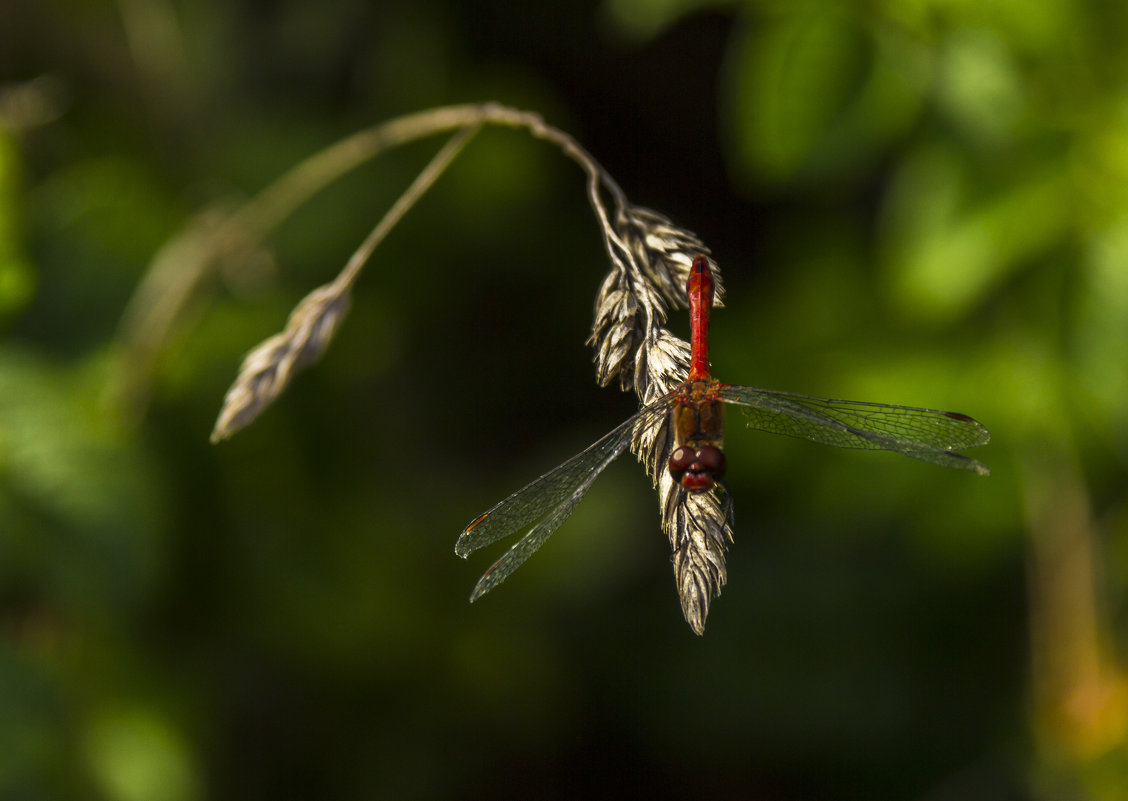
(618, 330)
(664, 252)
(650, 260)
(664, 364)
(268, 369)
(699, 526)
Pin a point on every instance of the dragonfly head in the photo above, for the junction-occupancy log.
(697, 466)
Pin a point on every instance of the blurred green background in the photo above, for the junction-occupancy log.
(912, 201)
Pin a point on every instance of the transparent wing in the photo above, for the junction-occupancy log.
(531, 542)
(926, 434)
(549, 500)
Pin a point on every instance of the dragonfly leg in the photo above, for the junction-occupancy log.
(730, 507)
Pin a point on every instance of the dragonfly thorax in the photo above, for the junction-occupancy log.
(697, 461)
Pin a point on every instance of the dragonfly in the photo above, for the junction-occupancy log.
(697, 461)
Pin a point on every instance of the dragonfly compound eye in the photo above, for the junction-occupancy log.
(711, 460)
(680, 460)
(697, 469)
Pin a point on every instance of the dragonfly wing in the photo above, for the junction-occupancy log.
(543, 495)
(549, 499)
(930, 435)
(528, 545)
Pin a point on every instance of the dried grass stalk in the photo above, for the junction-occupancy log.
(650, 258)
(252, 393)
(268, 369)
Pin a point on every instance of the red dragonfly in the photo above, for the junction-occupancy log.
(697, 461)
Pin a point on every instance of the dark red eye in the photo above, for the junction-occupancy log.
(697, 469)
(711, 460)
(680, 460)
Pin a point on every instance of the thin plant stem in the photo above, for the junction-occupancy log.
(424, 181)
(222, 234)
(268, 369)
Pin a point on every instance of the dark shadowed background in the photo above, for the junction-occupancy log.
(916, 203)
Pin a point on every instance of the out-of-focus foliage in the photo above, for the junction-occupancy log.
(912, 202)
(16, 275)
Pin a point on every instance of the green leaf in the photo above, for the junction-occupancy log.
(813, 93)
